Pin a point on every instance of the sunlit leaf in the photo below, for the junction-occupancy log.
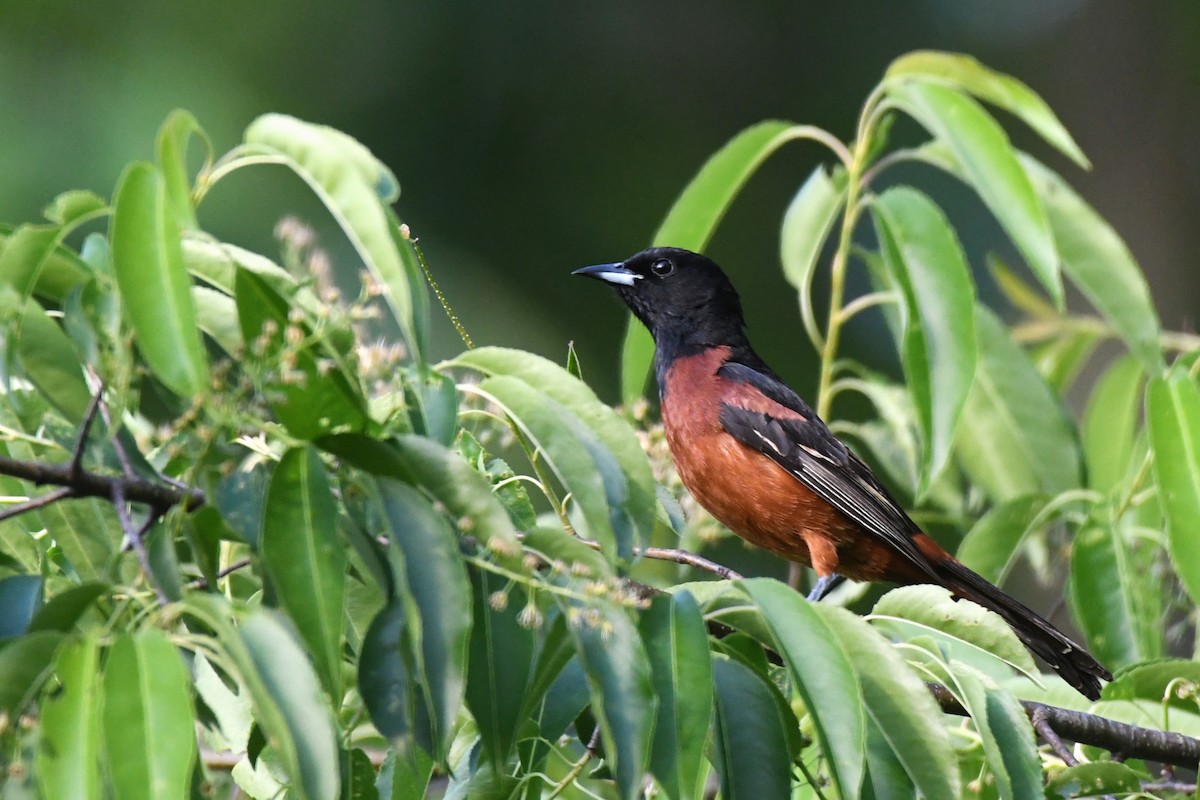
(1173, 419)
(1093, 779)
(1110, 423)
(155, 288)
(172, 149)
(51, 363)
(68, 756)
(992, 545)
(806, 225)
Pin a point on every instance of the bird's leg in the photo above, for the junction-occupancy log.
(825, 584)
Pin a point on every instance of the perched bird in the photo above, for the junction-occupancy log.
(754, 454)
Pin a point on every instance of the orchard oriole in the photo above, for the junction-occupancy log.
(753, 453)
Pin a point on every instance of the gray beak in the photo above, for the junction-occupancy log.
(610, 273)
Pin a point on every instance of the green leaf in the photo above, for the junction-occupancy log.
(622, 692)
(1106, 593)
(408, 775)
(155, 288)
(967, 74)
(1099, 263)
(383, 675)
(939, 350)
(50, 362)
(25, 251)
(1096, 778)
(149, 719)
(1110, 423)
(1173, 419)
(989, 164)
(500, 663)
(586, 468)
(433, 575)
(216, 315)
(752, 756)
(20, 597)
(172, 147)
(68, 756)
(24, 664)
(806, 225)
(899, 704)
(432, 400)
(608, 426)
(63, 611)
(356, 188)
(358, 775)
(822, 674)
(305, 557)
(676, 641)
(88, 531)
(934, 609)
(992, 545)
(292, 686)
(1060, 359)
(693, 219)
(73, 207)
(1015, 437)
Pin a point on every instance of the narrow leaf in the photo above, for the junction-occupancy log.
(149, 719)
(305, 557)
(383, 676)
(806, 224)
(155, 288)
(1173, 419)
(822, 674)
(50, 362)
(939, 349)
(172, 148)
(68, 756)
(1110, 423)
(989, 164)
(20, 598)
(992, 545)
(751, 751)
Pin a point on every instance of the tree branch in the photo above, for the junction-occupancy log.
(83, 483)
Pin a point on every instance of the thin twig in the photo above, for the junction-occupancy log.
(37, 502)
(201, 583)
(679, 557)
(91, 484)
(136, 538)
(1050, 737)
(85, 429)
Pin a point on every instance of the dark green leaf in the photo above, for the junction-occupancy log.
(1173, 419)
(1110, 423)
(1015, 437)
(358, 776)
(383, 677)
(240, 497)
(20, 597)
(305, 557)
(155, 288)
(501, 659)
(407, 774)
(149, 719)
(1154, 681)
(677, 643)
(1096, 778)
(23, 665)
(822, 674)
(68, 757)
(61, 612)
(432, 399)
(966, 73)
(806, 224)
(751, 740)
(1099, 263)
(292, 686)
(992, 545)
(423, 542)
(939, 350)
(989, 164)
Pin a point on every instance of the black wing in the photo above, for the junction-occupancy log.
(809, 451)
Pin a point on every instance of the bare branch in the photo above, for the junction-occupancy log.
(91, 484)
(84, 430)
(1042, 725)
(37, 502)
(137, 536)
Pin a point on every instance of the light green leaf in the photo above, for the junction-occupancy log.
(752, 755)
(1110, 423)
(172, 147)
(155, 288)
(989, 164)
(88, 531)
(50, 362)
(216, 314)
(1094, 779)
(939, 349)
(1155, 681)
(24, 664)
(1015, 437)
(822, 674)
(305, 557)
(1100, 264)
(806, 225)
(356, 188)
(992, 545)
(68, 756)
(967, 74)
(693, 219)
(25, 251)
(677, 643)
(74, 206)
(149, 719)
(1173, 419)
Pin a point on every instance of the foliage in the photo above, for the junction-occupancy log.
(357, 571)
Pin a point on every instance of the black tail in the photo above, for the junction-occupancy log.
(1076, 665)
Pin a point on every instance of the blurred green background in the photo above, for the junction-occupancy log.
(535, 137)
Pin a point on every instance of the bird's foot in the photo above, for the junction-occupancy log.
(825, 584)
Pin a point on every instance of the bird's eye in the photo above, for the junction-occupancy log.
(662, 267)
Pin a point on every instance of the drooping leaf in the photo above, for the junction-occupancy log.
(384, 679)
(305, 558)
(1110, 423)
(155, 288)
(677, 643)
(1015, 437)
(966, 73)
(939, 349)
(752, 757)
(63, 611)
(992, 545)
(1173, 419)
(822, 674)
(989, 164)
(68, 756)
(1095, 258)
(806, 224)
(73, 206)
(172, 149)
(149, 719)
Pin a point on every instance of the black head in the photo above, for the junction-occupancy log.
(681, 296)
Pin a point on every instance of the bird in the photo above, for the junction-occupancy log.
(760, 460)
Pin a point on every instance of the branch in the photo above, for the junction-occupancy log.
(83, 483)
(677, 556)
